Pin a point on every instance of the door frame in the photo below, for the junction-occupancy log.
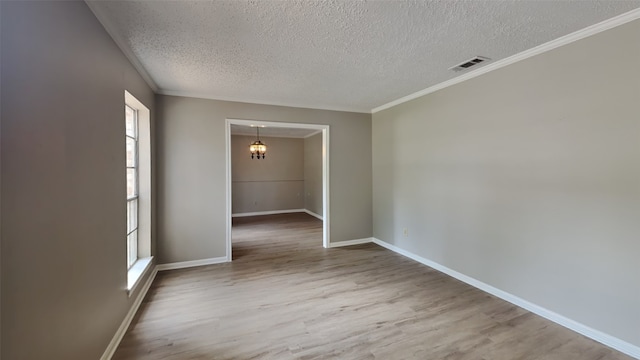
(326, 242)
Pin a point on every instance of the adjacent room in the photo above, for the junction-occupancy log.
(272, 195)
(319, 179)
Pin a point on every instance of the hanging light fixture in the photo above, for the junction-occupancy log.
(257, 148)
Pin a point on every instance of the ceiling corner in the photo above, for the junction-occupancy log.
(126, 50)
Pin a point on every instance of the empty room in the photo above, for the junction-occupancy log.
(320, 179)
(279, 196)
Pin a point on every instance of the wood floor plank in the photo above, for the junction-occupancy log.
(286, 297)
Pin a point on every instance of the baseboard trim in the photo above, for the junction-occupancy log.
(192, 263)
(313, 214)
(271, 212)
(350, 242)
(115, 341)
(599, 336)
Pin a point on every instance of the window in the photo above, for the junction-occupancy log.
(138, 182)
(131, 117)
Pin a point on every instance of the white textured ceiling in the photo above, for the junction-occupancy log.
(344, 55)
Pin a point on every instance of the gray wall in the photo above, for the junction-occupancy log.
(527, 178)
(273, 183)
(191, 172)
(313, 174)
(0, 184)
(64, 273)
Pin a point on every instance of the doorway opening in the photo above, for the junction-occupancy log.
(270, 128)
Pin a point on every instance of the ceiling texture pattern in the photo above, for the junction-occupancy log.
(340, 55)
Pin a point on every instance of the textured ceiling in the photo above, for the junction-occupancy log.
(344, 55)
(267, 131)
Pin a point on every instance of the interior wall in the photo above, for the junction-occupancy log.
(313, 174)
(270, 184)
(0, 183)
(64, 274)
(192, 180)
(526, 178)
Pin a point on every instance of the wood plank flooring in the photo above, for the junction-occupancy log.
(285, 297)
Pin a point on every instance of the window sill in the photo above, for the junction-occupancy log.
(135, 273)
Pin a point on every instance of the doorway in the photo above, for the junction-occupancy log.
(275, 127)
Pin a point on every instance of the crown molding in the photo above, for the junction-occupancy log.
(122, 44)
(561, 41)
(262, 102)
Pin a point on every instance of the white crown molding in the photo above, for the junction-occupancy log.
(193, 263)
(553, 44)
(261, 102)
(585, 330)
(115, 341)
(122, 44)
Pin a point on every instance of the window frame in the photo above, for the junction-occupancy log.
(131, 260)
(143, 196)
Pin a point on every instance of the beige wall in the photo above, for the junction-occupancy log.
(191, 172)
(313, 174)
(64, 273)
(273, 183)
(527, 178)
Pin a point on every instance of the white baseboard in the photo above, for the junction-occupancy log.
(192, 263)
(115, 341)
(275, 212)
(350, 242)
(594, 334)
(313, 214)
(272, 212)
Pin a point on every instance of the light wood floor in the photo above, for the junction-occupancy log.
(285, 297)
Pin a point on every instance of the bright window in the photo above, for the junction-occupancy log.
(137, 138)
(131, 117)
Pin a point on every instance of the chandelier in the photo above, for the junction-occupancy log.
(257, 148)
